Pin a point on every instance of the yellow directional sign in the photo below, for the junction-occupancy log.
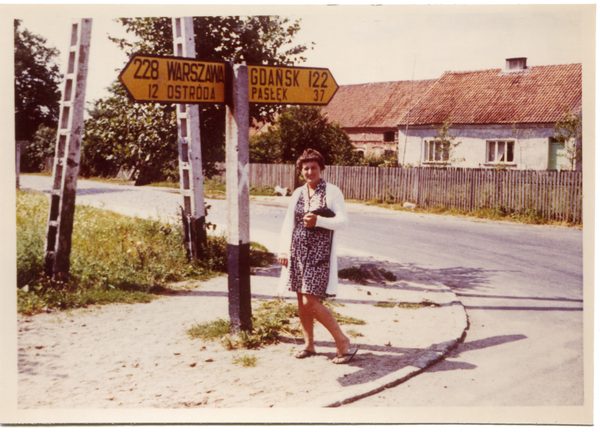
(149, 78)
(290, 85)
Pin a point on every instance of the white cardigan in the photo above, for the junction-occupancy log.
(335, 202)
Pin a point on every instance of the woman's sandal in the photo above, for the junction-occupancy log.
(349, 355)
(305, 353)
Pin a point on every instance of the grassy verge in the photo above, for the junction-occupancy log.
(406, 305)
(528, 217)
(114, 258)
(216, 189)
(270, 319)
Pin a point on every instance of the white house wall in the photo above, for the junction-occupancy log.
(531, 145)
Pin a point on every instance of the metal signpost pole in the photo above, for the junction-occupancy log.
(238, 200)
(67, 155)
(190, 156)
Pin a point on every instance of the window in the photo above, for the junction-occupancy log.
(434, 152)
(500, 152)
(389, 136)
(388, 153)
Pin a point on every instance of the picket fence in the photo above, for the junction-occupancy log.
(555, 195)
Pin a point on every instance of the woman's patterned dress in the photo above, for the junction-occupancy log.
(311, 247)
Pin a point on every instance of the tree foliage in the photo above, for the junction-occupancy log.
(448, 142)
(37, 78)
(119, 133)
(568, 132)
(41, 146)
(299, 128)
(111, 141)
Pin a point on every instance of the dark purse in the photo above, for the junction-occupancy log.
(323, 212)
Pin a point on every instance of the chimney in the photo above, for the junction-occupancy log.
(516, 63)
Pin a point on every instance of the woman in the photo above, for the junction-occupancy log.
(308, 253)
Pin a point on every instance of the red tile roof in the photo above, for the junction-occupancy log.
(374, 104)
(535, 95)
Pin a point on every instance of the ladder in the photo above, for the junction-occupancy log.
(191, 180)
(67, 154)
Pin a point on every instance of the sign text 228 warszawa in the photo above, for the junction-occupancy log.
(173, 80)
(149, 78)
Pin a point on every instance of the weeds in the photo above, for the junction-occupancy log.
(354, 334)
(406, 305)
(529, 216)
(271, 319)
(245, 360)
(114, 258)
(385, 304)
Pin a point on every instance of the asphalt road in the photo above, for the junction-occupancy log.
(522, 287)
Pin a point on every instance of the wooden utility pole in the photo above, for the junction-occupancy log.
(191, 180)
(238, 200)
(67, 154)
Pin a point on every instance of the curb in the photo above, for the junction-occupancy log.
(434, 354)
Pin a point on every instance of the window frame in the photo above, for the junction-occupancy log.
(427, 152)
(506, 144)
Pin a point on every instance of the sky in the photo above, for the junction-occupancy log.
(358, 44)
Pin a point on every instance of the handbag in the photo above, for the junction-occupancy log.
(323, 212)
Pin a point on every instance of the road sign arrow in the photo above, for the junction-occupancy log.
(150, 78)
(290, 85)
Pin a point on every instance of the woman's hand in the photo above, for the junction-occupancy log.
(283, 260)
(310, 220)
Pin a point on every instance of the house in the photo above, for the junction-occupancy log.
(370, 113)
(500, 117)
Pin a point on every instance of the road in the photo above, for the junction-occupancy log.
(522, 287)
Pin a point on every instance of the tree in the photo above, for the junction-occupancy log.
(447, 143)
(257, 39)
(119, 133)
(254, 39)
(37, 78)
(568, 132)
(42, 146)
(299, 128)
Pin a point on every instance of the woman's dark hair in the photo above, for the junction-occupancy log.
(310, 155)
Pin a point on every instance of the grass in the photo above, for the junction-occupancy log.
(354, 334)
(216, 189)
(529, 216)
(270, 320)
(406, 305)
(114, 258)
(385, 304)
(245, 360)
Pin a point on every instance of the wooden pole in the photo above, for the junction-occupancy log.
(238, 200)
(68, 151)
(191, 179)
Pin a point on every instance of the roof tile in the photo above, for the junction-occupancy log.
(374, 104)
(534, 95)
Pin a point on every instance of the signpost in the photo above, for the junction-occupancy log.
(187, 82)
(150, 78)
(290, 85)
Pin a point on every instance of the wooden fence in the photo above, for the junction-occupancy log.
(555, 195)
